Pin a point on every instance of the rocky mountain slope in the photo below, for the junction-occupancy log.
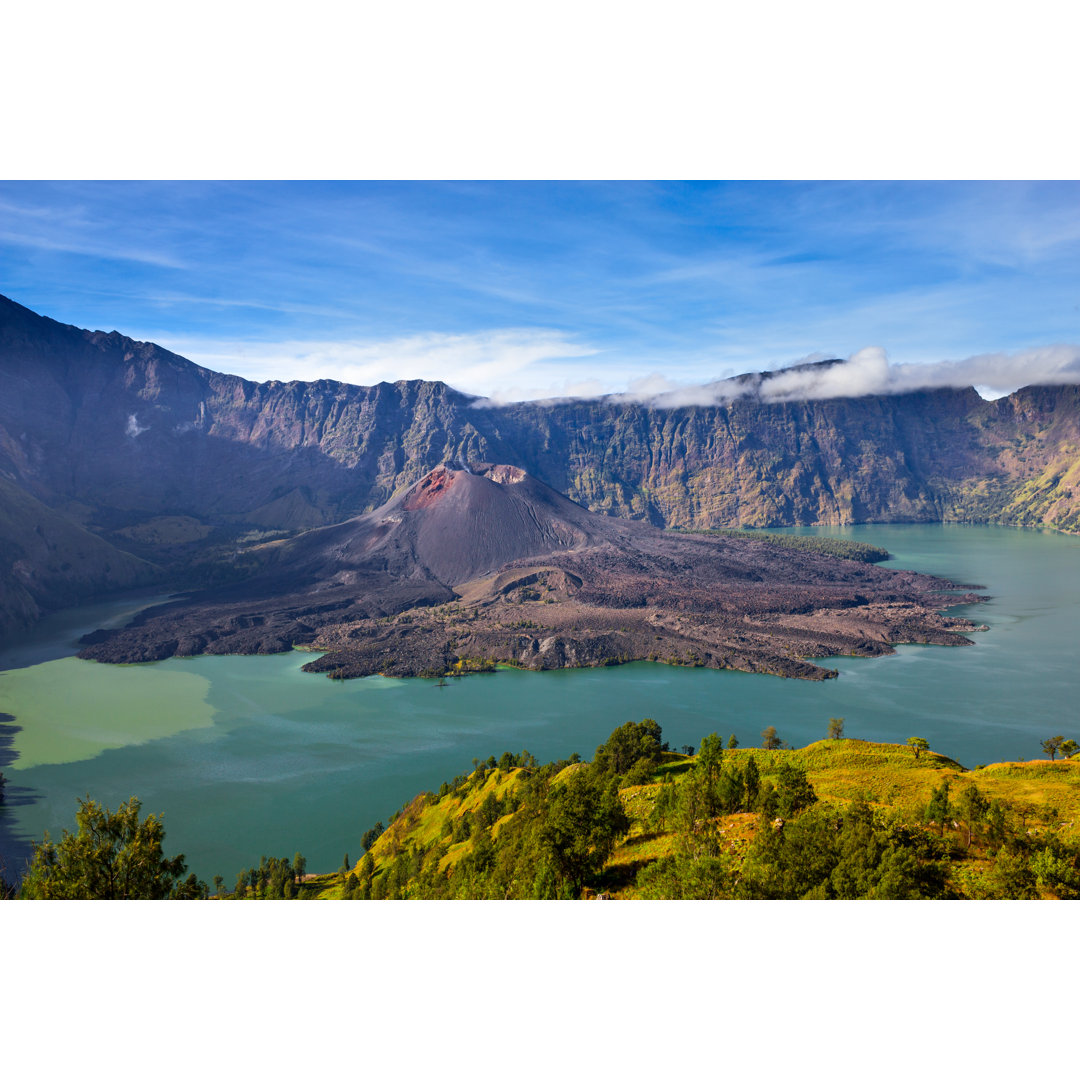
(188, 469)
(468, 568)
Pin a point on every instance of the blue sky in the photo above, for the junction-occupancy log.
(513, 289)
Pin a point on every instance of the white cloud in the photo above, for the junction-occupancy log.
(526, 364)
(506, 365)
(869, 371)
(997, 373)
(866, 372)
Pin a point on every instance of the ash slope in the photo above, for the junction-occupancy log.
(473, 566)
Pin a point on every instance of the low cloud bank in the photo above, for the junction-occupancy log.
(511, 365)
(869, 372)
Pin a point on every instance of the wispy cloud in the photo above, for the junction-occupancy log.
(472, 363)
(69, 227)
(177, 299)
(73, 246)
(527, 364)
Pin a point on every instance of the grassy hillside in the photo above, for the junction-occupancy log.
(838, 818)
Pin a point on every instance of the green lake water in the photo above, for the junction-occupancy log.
(247, 756)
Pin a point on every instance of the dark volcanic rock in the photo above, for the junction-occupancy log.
(472, 567)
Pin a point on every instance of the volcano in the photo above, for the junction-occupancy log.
(476, 565)
(453, 525)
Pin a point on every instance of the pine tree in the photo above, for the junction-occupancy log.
(939, 808)
(111, 856)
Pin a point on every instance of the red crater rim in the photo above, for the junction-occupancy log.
(431, 488)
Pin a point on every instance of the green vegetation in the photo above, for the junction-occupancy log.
(839, 819)
(1053, 745)
(855, 550)
(111, 856)
(272, 879)
(918, 745)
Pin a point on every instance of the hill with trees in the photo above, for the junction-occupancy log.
(838, 819)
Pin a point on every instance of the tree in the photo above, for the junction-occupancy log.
(769, 739)
(751, 784)
(372, 835)
(918, 745)
(794, 791)
(710, 759)
(1068, 748)
(627, 745)
(3, 784)
(219, 885)
(973, 806)
(299, 865)
(939, 808)
(836, 727)
(582, 822)
(665, 805)
(111, 856)
(732, 743)
(1052, 746)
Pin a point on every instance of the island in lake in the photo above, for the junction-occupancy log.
(483, 564)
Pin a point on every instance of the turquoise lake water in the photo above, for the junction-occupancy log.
(247, 756)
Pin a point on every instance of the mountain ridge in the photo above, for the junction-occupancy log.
(187, 469)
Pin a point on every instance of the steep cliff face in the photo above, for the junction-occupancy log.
(749, 463)
(125, 439)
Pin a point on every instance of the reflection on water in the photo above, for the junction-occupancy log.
(273, 760)
(15, 841)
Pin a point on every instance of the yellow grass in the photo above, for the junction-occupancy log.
(1044, 794)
